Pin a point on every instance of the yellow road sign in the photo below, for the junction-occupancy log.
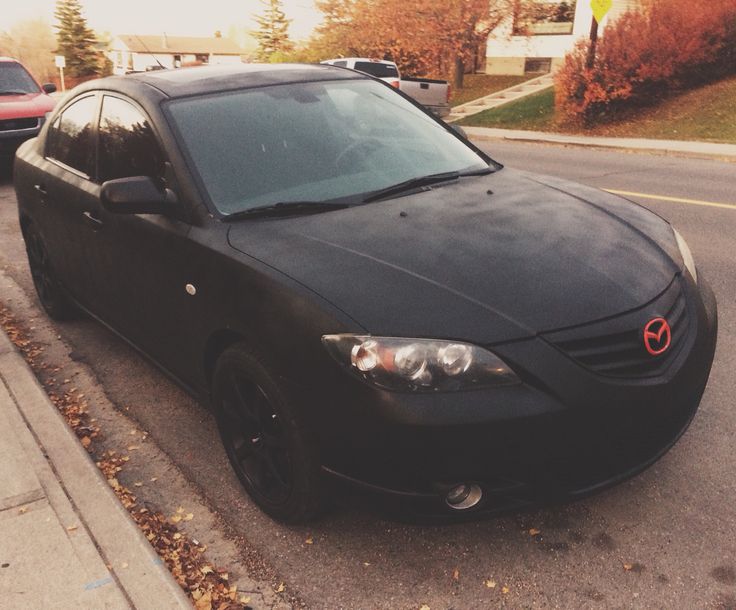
(600, 8)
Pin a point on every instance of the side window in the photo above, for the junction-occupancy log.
(70, 139)
(127, 144)
(341, 64)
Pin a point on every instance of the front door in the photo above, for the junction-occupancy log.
(140, 264)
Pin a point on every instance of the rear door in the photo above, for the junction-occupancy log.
(67, 192)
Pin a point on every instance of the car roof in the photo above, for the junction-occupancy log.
(8, 60)
(365, 59)
(183, 82)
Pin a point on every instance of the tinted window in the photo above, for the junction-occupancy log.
(128, 146)
(15, 79)
(70, 136)
(340, 64)
(313, 142)
(376, 69)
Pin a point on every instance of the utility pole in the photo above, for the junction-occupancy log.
(593, 43)
(600, 9)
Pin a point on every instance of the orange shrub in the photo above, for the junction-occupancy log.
(670, 44)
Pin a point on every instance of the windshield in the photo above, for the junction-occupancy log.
(312, 142)
(15, 79)
(376, 69)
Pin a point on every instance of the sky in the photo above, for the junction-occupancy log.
(174, 17)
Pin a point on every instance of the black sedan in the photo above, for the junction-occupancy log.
(362, 295)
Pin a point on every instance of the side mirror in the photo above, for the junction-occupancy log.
(458, 130)
(49, 88)
(136, 195)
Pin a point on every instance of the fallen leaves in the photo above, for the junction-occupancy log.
(206, 585)
(534, 532)
(491, 584)
(309, 540)
(280, 588)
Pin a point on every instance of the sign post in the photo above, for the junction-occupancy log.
(600, 10)
(60, 62)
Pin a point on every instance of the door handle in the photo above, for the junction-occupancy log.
(41, 190)
(92, 220)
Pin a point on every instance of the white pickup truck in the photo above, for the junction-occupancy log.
(432, 94)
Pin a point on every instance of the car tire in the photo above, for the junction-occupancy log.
(265, 438)
(48, 288)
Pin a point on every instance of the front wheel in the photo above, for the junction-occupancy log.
(269, 447)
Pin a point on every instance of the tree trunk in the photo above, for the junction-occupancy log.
(459, 73)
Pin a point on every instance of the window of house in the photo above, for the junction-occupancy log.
(544, 17)
(127, 143)
(70, 137)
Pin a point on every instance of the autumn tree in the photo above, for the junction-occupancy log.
(273, 32)
(424, 37)
(643, 55)
(75, 40)
(32, 42)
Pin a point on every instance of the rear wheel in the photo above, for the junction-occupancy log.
(269, 447)
(52, 297)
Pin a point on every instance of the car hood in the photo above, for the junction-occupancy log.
(25, 106)
(486, 259)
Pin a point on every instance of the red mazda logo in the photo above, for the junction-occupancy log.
(657, 336)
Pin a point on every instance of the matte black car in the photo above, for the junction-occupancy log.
(358, 291)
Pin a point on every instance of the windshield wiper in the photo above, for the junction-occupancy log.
(420, 182)
(410, 185)
(288, 208)
(13, 92)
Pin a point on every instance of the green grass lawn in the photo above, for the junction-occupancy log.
(479, 85)
(533, 112)
(706, 114)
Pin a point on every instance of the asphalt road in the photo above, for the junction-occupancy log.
(666, 539)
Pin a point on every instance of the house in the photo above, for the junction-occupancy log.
(538, 37)
(137, 53)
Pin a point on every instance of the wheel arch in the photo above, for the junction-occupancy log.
(216, 344)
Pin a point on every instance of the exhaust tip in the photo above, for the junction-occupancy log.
(464, 496)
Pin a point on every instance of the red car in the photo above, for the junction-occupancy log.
(24, 105)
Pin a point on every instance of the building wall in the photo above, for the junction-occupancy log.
(507, 54)
(125, 61)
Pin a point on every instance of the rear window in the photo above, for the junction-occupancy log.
(376, 69)
(15, 79)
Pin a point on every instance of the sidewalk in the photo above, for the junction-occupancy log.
(674, 147)
(65, 540)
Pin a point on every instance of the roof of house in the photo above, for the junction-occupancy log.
(179, 44)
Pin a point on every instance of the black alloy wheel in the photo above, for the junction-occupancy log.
(270, 449)
(50, 294)
(255, 439)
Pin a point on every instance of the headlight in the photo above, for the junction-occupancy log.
(419, 364)
(687, 256)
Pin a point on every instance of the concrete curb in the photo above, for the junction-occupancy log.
(671, 147)
(136, 567)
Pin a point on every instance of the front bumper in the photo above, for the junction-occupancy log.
(565, 432)
(11, 138)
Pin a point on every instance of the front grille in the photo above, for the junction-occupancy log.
(15, 124)
(615, 348)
